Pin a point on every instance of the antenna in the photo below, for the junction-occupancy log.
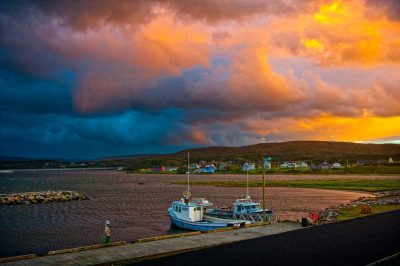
(186, 195)
(247, 180)
(188, 173)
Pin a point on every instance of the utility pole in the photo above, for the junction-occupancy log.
(263, 176)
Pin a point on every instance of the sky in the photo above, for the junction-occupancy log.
(88, 79)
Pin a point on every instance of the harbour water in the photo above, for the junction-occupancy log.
(135, 204)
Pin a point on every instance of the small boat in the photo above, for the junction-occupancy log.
(244, 210)
(188, 214)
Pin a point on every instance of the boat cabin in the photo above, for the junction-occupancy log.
(246, 205)
(202, 202)
(187, 211)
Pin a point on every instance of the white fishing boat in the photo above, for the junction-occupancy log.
(243, 210)
(188, 214)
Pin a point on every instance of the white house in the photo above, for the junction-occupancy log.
(248, 166)
(336, 165)
(302, 164)
(267, 162)
(194, 166)
(288, 165)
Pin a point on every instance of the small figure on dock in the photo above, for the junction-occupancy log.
(313, 218)
(107, 231)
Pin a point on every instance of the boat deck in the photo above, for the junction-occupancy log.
(141, 251)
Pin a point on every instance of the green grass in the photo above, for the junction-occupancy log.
(351, 170)
(369, 185)
(354, 212)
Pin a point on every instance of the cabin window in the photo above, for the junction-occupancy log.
(179, 209)
(239, 208)
(247, 207)
(253, 206)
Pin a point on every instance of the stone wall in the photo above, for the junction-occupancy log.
(40, 197)
(329, 215)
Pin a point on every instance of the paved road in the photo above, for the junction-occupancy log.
(354, 242)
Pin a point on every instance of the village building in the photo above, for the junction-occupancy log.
(194, 166)
(208, 169)
(267, 162)
(157, 169)
(324, 166)
(303, 164)
(248, 166)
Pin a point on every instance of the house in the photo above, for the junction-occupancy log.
(248, 166)
(267, 162)
(284, 165)
(390, 160)
(324, 166)
(209, 169)
(221, 167)
(288, 165)
(194, 166)
(156, 169)
(172, 169)
(336, 165)
(302, 164)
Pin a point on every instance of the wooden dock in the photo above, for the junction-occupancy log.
(144, 250)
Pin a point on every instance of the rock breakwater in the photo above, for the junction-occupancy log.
(40, 197)
(330, 215)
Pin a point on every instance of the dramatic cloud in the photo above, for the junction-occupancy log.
(153, 76)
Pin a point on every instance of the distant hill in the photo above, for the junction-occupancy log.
(293, 150)
(317, 151)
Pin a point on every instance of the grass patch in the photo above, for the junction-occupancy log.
(369, 185)
(354, 212)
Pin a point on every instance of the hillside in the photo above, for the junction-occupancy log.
(317, 151)
(295, 150)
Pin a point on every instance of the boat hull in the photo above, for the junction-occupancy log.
(196, 226)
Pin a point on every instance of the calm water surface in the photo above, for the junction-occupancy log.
(135, 204)
(135, 210)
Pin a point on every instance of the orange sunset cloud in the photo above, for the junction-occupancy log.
(265, 71)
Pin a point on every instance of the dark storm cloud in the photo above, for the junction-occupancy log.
(26, 95)
(64, 135)
(87, 14)
(102, 77)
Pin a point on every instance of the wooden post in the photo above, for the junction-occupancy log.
(263, 175)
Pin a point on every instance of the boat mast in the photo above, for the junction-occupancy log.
(188, 173)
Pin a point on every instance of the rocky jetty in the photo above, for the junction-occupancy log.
(40, 197)
(329, 215)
